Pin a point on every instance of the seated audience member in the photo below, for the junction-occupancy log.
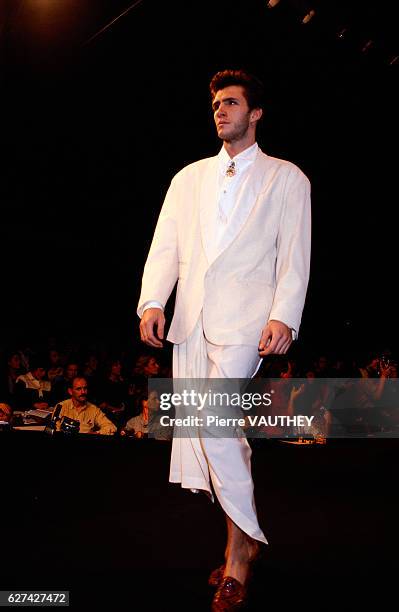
(9, 374)
(146, 367)
(90, 372)
(388, 398)
(370, 368)
(147, 423)
(344, 367)
(113, 392)
(311, 399)
(90, 365)
(31, 389)
(321, 367)
(61, 385)
(92, 420)
(55, 370)
(25, 354)
(368, 405)
(375, 396)
(280, 372)
(5, 416)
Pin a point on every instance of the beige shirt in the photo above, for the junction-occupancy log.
(90, 418)
(137, 424)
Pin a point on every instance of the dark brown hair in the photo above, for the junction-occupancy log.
(252, 86)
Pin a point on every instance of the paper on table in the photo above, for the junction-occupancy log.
(42, 414)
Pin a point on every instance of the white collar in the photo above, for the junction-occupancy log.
(249, 154)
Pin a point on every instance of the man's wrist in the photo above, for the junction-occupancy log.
(152, 304)
(149, 304)
(293, 331)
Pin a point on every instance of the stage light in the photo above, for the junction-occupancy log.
(367, 46)
(343, 33)
(349, 34)
(309, 16)
(301, 7)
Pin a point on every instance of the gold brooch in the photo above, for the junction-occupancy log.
(231, 169)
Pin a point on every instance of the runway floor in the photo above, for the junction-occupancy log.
(97, 516)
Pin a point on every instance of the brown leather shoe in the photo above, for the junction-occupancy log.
(230, 596)
(216, 577)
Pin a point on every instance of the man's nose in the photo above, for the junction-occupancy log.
(221, 112)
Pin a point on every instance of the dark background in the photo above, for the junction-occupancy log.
(93, 131)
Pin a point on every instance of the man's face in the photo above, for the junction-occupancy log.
(232, 115)
(71, 371)
(116, 368)
(374, 364)
(39, 373)
(152, 367)
(153, 402)
(54, 357)
(323, 363)
(311, 377)
(15, 362)
(92, 362)
(78, 391)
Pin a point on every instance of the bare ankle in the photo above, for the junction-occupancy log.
(253, 548)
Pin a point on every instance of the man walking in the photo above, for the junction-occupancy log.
(234, 231)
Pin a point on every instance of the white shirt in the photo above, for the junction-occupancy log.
(229, 188)
(33, 383)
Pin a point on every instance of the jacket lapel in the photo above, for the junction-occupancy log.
(208, 205)
(247, 196)
(246, 200)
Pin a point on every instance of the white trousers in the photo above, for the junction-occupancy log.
(197, 460)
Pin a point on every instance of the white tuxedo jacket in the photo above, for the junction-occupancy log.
(261, 270)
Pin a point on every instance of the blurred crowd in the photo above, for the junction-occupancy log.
(107, 391)
(344, 397)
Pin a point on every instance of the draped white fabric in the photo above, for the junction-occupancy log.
(197, 461)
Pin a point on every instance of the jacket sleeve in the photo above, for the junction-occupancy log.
(293, 251)
(161, 268)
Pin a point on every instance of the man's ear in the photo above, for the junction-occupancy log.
(256, 114)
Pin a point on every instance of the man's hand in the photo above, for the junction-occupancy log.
(153, 318)
(276, 339)
(297, 391)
